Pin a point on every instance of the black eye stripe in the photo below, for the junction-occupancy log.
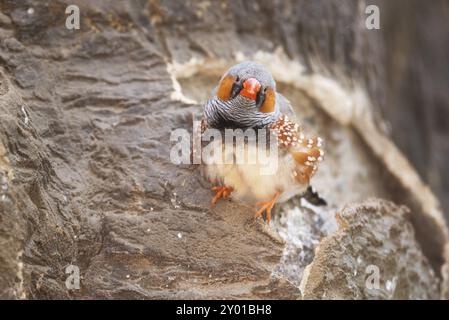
(236, 88)
(260, 98)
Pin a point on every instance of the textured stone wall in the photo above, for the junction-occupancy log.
(86, 179)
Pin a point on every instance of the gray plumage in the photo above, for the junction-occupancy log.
(241, 112)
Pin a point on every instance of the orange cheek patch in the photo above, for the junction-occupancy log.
(224, 90)
(268, 104)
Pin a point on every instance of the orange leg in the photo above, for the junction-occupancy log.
(266, 206)
(221, 192)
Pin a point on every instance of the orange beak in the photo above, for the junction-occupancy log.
(250, 88)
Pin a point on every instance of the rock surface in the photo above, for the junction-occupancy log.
(373, 255)
(86, 178)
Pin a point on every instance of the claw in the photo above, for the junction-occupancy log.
(266, 206)
(221, 192)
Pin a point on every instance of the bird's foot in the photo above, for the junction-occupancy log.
(221, 192)
(266, 206)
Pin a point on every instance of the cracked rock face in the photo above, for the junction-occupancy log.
(373, 255)
(86, 177)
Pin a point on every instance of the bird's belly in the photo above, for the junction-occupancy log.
(255, 179)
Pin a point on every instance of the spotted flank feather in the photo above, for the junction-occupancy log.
(306, 152)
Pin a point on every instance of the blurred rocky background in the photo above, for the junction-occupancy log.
(86, 179)
(416, 97)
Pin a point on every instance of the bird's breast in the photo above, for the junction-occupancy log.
(251, 170)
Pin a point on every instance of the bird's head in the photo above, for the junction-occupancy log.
(244, 98)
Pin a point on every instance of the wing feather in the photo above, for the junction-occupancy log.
(306, 152)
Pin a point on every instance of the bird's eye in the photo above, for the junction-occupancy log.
(236, 88)
(266, 100)
(260, 98)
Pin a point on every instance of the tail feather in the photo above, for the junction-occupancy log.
(313, 197)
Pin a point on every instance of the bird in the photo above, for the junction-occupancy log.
(246, 98)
